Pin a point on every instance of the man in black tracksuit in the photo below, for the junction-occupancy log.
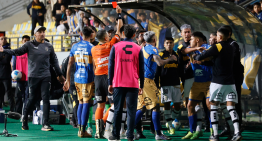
(186, 72)
(5, 75)
(238, 70)
(40, 56)
(72, 90)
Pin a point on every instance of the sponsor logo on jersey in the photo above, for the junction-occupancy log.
(199, 72)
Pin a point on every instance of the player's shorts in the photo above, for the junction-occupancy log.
(223, 93)
(171, 94)
(149, 98)
(101, 89)
(187, 86)
(85, 92)
(199, 91)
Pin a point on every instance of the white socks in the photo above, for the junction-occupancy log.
(227, 117)
(110, 118)
(199, 112)
(234, 117)
(214, 119)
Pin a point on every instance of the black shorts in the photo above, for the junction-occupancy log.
(101, 89)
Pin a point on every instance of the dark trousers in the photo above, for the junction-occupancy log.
(44, 84)
(39, 20)
(21, 96)
(119, 96)
(73, 92)
(5, 88)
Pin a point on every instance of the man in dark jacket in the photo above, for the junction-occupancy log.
(38, 12)
(5, 75)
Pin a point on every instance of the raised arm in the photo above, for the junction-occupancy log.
(161, 62)
(119, 21)
(16, 52)
(212, 51)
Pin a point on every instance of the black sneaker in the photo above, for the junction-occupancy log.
(25, 125)
(47, 128)
(237, 137)
(130, 139)
(225, 132)
(214, 138)
(140, 135)
(112, 138)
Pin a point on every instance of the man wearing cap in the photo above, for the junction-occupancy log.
(40, 56)
(149, 99)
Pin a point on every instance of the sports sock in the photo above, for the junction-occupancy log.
(107, 106)
(110, 118)
(123, 121)
(214, 119)
(227, 117)
(199, 112)
(168, 118)
(85, 115)
(106, 115)
(79, 113)
(99, 113)
(192, 123)
(156, 122)
(90, 118)
(234, 117)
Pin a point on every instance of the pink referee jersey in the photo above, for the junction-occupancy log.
(126, 70)
(22, 65)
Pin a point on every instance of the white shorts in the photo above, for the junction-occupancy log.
(187, 86)
(223, 93)
(171, 94)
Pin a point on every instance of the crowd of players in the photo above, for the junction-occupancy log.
(131, 76)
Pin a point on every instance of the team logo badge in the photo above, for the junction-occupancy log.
(155, 50)
(46, 48)
(148, 101)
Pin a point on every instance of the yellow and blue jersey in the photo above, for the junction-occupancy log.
(83, 61)
(259, 16)
(202, 73)
(150, 65)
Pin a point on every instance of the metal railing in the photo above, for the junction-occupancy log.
(63, 42)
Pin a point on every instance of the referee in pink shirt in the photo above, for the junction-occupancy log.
(126, 66)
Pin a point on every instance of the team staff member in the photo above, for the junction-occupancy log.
(149, 99)
(40, 56)
(187, 75)
(169, 84)
(222, 87)
(125, 61)
(5, 75)
(72, 89)
(100, 55)
(20, 63)
(238, 70)
(80, 54)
